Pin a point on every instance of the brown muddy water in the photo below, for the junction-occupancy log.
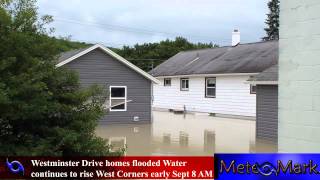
(185, 135)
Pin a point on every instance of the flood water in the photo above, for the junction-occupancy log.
(185, 134)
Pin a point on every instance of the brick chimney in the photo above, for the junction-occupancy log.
(235, 37)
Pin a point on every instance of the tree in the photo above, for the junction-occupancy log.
(43, 110)
(272, 21)
(150, 55)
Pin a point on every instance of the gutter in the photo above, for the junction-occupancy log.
(207, 75)
(262, 82)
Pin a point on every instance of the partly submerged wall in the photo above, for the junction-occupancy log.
(232, 96)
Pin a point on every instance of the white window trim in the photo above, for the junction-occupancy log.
(251, 87)
(164, 82)
(206, 86)
(125, 99)
(184, 89)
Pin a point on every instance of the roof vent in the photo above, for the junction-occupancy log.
(235, 37)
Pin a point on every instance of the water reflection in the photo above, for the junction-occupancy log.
(116, 143)
(183, 139)
(209, 142)
(137, 138)
(167, 138)
(178, 134)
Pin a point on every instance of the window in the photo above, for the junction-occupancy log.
(253, 89)
(118, 98)
(117, 144)
(184, 84)
(210, 87)
(167, 82)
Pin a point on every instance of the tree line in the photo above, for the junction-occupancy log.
(149, 55)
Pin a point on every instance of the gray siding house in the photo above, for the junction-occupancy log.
(267, 104)
(129, 88)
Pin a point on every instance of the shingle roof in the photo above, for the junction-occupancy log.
(69, 56)
(243, 58)
(270, 74)
(66, 55)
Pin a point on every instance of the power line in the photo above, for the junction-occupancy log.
(108, 44)
(111, 27)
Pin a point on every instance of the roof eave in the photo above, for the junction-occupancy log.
(263, 82)
(205, 75)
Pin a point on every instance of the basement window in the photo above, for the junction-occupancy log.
(118, 98)
(184, 84)
(253, 89)
(167, 82)
(210, 87)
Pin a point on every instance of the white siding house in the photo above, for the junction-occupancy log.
(233, 96)
(216, 79)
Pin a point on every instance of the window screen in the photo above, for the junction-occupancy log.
(253, 89)
(210, 87)
(184, 84)
(167, 82)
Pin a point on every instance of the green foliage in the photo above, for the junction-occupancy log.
(150, 55)
(65, 44)
(272, 21)
(146, 56)
(43, 110)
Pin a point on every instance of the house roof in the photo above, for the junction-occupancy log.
(66, 55)
(243, 58)
(268, 76)
(69, 56)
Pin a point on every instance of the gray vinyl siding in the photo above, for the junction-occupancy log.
(267, 113)
(97, 67)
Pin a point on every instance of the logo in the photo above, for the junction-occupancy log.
(15, 167)
(266, 169)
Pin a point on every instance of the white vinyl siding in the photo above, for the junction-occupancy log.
(232, 96)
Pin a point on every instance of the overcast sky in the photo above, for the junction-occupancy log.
(127, 22)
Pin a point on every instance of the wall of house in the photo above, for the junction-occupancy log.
(299, 83)
(232, 96)
(97, 67)
(267, 113)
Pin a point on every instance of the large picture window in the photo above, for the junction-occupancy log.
(184, 84)
(210, 87)
(118, 98)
